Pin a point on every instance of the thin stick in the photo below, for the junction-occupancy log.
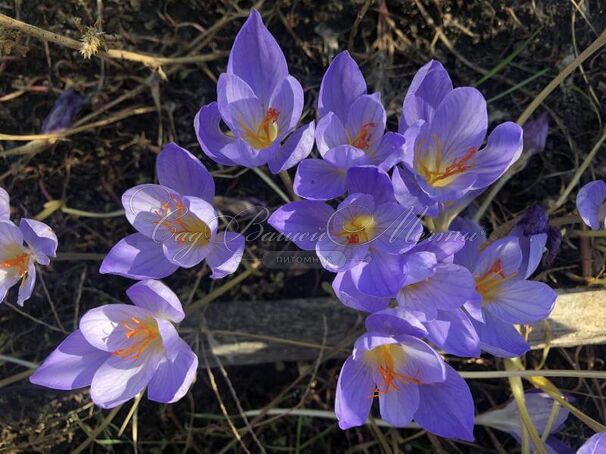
(120, 54)
(267, 179)
(93, 436)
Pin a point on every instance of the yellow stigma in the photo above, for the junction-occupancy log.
(428, 163)
(386, 359)
(265, 133)
(140, 335)
(186, 228)
(359, 229)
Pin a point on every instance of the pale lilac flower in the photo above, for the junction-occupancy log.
(20, 249)
(260, 103)
(176, 222)
(540, 407)
(445, 129)
(64, 111)
(408, 377)
(120, 349)
(591, 203)
(594, 445)
(504, 297)
(535, 134)
(350, 132)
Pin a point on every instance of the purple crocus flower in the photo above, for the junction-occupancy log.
(594, 445)
(64, 111)
(260, 103)
(20, 249)
(591, 203)
(120, 349)
(535, 134)
(176, 223)
(365, 236)
(445, 129)
(504, 297)
(540, 406)
(350, 132)
(409, 378)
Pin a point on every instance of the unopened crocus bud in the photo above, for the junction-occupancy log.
(535, 134)
(64, 112)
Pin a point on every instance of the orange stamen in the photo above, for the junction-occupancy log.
(19, 262)
(142, 335)
(384, 358)
(362, 139)
(266, 132)
(487, 283)
(438, 173)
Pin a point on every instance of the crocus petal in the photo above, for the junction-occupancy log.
(504, 147)
(352, 399)
(64, 111)
(181, 171)
(71, 365)
(409, 194)
(419, 265)
(427, 90)
(474, 238)
(336, 256)
(231, 89)
(390, 151)
(399, 406)
(157, 298)
(381, 276)
(102, 326)
(522, 301)
(41, 238)
(444, 245)
(5, 208)
(453, 332)
(27, 284)
(446, 409)
(506, 250)
(226, 254)
(144, 207)
(241, 153)
(500, 338)
(594, 445)
(366, 114)
(341, 85)
(330, 133)
(10, 235)
(137, 257)
(460, 122)
(394, 322)
(346, 156)
(287, 100)
(173, 378)
(189, 248)
(257, 58)
(318, 179)
(350, 296)
(115, 383)
(397, 228)
(303, 222)
(535, 134)
(591, 203)
(447, 289)
(421, 361)
(296, 148)
(370, 180)
(209, 134)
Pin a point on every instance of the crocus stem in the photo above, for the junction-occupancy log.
(90, 214)
(545, 385)
(285, 177)
(517, 390)
(267, 179)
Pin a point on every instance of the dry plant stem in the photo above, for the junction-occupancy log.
(106, 422)
(285, 177)
(223, 289)
(539, 381)
(579, 173)
(536, 102)
(149, 60)
(517, 390)
(15, 378)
